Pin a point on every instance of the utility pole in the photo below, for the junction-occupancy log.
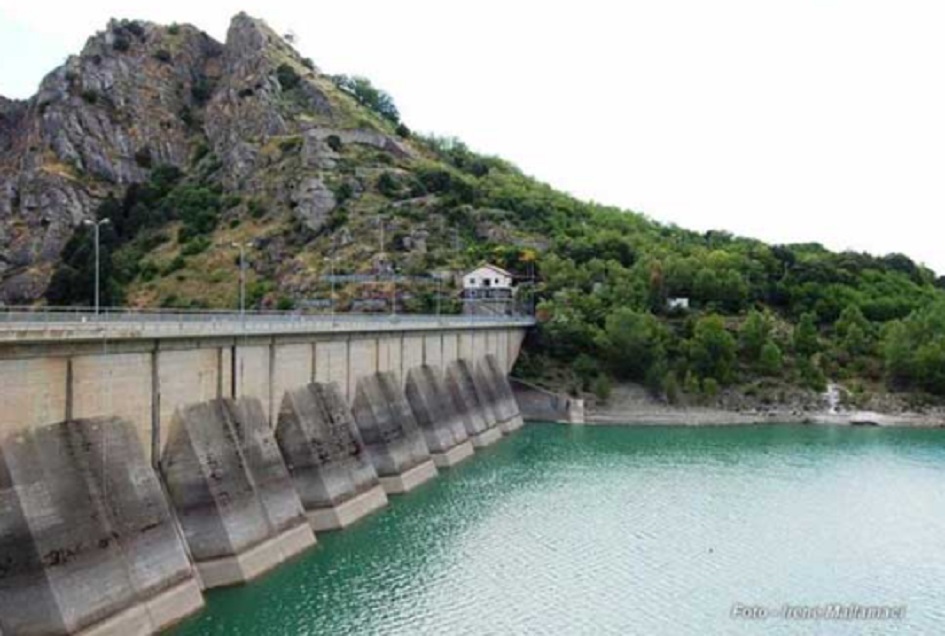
(97, 225)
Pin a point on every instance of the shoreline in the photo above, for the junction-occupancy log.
(682, 416)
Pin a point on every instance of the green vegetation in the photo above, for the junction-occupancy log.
(374, 99)
(132, 232)
(288, 77)
(796, 314)
(758, 315)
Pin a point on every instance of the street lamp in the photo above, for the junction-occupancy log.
(242, 248)
(97, 225)
(331, 300)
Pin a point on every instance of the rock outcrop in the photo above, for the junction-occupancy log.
(139, 95)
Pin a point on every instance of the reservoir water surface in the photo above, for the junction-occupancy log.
(631, 530)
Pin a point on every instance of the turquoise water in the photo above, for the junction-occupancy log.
(655, 530)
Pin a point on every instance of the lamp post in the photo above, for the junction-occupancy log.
(97, 225)
(242, 248)
(331, 276)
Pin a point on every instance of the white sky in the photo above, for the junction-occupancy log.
(794, 120)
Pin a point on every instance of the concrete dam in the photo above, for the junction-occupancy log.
(143, 461)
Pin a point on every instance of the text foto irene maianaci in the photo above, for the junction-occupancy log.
(825, 612)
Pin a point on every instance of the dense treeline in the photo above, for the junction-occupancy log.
(794, 313)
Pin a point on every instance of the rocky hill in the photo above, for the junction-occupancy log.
(248, 117)
(190, 147)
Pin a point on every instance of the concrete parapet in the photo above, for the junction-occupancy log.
(232, 492)
(333, 473)
(436, 414)
(390, 432)
(500, 392)
(89, 544)
(470, 400)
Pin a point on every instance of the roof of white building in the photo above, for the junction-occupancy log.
(494, 268)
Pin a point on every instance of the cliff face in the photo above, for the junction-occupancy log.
(141, 95)
(96, 124)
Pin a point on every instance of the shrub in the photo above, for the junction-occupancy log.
(174, 29)
(187, 116)
(196, 245)
(671, 388)
(308, 63)
(148, 271)
(287, 76)
(256, 209)
(163, 55)
(343, 192)
(710, 388)
(602, 387)
(402, 131)
(337, 218)
(121, 43)
(388, 185)
(178, 263)
(285, 303)
(90, 96)
(334, 142)
(586, 369)
(143, 158)
(201, 90)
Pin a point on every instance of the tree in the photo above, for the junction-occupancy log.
(754, 334)
(632, 342)
(914, 350)
(770, 359)
(854, 332)
(806, 340)
(361, 89)
(712, 349)
(287, 76)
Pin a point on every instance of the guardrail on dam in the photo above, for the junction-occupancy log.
(143, 366)
(145, 457)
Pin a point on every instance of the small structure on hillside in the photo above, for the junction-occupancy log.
(488, 290)
(680, 304)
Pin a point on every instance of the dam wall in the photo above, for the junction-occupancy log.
(472, 403)
(330, 466)
(145, 380)
(88, 544)
(232, 493)
(393, 439)
(498, 392)
(437, 416)
(138, 467)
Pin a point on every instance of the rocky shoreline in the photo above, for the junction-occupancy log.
(685, 416)
(631, 406)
